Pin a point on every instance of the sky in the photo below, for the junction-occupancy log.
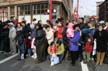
(87, 7)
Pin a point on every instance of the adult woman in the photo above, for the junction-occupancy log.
(73, 44)
(20, 40)
(49, 34)
(41, 43)
(100, 36)
(4, 38)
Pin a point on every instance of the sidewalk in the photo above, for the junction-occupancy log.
(4, 55)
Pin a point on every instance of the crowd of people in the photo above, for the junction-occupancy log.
(83, 40)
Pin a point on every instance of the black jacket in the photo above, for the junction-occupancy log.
(40, 37)
(101, 39)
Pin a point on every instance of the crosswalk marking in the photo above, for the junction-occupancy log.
(84, 67)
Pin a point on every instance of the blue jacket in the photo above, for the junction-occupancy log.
(73, 42)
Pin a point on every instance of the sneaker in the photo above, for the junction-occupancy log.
(52, 64)
(22, 56)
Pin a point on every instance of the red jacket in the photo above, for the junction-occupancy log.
(53, 49)
(59, 32)
(28, 42)
(88, 47)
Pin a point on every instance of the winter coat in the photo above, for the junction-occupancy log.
(101, 40)
(40, 38)
(92, 31)
(20, 36)
(73, 42)
(28, 42)
(59, 32)
(70, 30)
(26, 31)
(1, 29)
(52, 50)
(12, 33)
(65, 38)
(41, 44)
(88, 47)
(60, 49)
(50, 36)
(5, 40)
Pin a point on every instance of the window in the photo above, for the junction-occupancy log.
(3, 13)
(40, 8)
(36, 9)
(24, 10)
(12, 11)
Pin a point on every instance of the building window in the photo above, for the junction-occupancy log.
(36, 9)
(40, 8)
(12, 11)
(3, 13)
(24, 10)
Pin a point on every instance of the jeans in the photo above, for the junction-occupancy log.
(22, 48)
(61, 57)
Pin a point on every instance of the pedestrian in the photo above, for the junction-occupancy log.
(12, 37)
(1, 29)
(59, 30)
(65, 41)
(49, 23)
(33, 34)
(5, 38)
(33, 47)
(41, 44)
(88, 47)
(49, 34)
(60, 50)
(74, 44)
(52, 50)
(101, 41)
(70, 31)
(20, 40)
(27, 38)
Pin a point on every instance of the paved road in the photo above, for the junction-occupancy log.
(29, 65)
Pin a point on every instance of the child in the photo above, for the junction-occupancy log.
(87, 50)
(28, 46)
(70, 30)
(52, 51)
(34, 56)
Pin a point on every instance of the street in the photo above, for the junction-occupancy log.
(71, 35)
(30, 65)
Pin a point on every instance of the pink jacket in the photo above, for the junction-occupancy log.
(70, 30)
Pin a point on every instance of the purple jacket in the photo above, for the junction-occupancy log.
(74, 41)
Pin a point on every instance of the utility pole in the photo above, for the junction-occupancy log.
(50, 10)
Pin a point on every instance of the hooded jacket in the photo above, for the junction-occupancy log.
(73, 42)
(50, 36)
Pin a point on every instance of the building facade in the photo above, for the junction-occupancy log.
(97, 8)
(103, 11)
(38, 9)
